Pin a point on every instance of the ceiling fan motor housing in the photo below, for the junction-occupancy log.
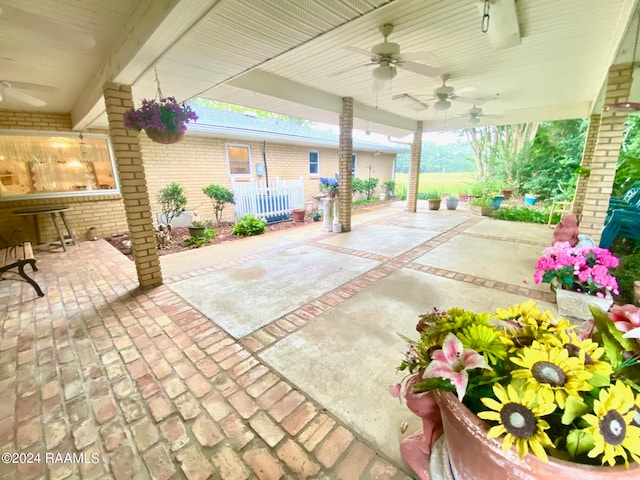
(386, 49)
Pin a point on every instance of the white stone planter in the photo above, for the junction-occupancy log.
(576, 305)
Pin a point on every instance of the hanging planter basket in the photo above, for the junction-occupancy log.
(165, 137)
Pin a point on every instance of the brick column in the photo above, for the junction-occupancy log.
(345, 163)
(587, 157)
(605, 156)
(414, 170)
(133, 184)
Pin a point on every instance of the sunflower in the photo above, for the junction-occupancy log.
(588, 351)
(518, 417)
(488, 341)
(612, 426)
(552, 372)
(526, 323)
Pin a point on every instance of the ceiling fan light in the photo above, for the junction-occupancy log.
(384, 73)
(474, 120)
(441, 105)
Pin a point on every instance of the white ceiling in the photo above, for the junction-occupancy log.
(290, 56)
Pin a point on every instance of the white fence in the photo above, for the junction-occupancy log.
(273, 203)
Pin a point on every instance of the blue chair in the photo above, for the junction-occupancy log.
(622, 223)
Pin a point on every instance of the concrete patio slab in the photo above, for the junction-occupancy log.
(430, 221)
(383, 240)
(243, 298)
(494, 259)
(345, 359)
(530, 232)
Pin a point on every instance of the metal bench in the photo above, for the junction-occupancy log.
(17, 256)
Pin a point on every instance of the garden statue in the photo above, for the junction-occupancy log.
(163, 236)
(567, 231)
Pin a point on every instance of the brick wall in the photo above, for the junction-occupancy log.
(200, 160)
(195, 162)
(105, 212)
(605, 156)
(587, 156)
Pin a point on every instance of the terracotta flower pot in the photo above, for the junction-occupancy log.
(416, 448)
(166, 136)
(473, 456)
(298, 215)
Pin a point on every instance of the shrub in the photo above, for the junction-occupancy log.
(401, 191)
(172, 200)
(249, 225)
(525, 214)
(209, 233)
(627, 273)
(220, 196)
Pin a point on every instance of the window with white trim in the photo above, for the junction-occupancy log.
(239, 159)
(314, 163)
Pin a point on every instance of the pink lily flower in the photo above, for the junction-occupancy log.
(626, 319)
(452, 363)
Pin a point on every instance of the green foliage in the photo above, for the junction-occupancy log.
(391, 185)
(249, 225)
(401, 191)
(552, 166)
(209, 233)
(525, 214)
(364, 201)
(429, 195)
(454, 157)
(220, 196)
(627, 273)
(173, 200)
(629, 161)
(482, 201)
(365, 187)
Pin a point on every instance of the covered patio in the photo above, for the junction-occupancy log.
(169, 382)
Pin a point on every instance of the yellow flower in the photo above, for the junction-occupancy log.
(551, 372)
(588, 351)
(612, 426)
(485, 340)
(519, 418)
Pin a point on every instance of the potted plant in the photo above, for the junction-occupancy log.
(452, 201)
(390, 188)
(482, 205)
(530, 199)
(198, 226)
(329, 185)
(525, 395)
(298, 215)
(434, 199)
(163, 120)
(579, 276)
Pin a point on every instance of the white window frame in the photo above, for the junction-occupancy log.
(239, 145)
(317, 163)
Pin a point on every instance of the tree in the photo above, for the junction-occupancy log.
(629, 162)
(497, 148)
(219, 196)
(173, 201)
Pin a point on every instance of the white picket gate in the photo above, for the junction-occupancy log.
(273, 203)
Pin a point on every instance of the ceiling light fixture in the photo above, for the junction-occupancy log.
(384, 73)
(442, 104)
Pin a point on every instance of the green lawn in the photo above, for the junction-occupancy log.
(441, 182)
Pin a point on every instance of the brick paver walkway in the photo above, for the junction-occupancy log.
(99, 379)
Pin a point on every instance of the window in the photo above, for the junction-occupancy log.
(55, 164)
(313, 163)
(239, 157)
(353, 164)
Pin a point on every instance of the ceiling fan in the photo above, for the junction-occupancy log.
(387, 57)
(445, 93)
(17, 91)
(475, 114)
(40, 24)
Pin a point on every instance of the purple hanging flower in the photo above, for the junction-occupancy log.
(160, 115)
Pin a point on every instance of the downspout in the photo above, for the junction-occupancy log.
(264, 160)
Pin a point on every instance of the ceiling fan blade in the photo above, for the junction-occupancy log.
(359, 51)
(42, 25)
(427, 70)
(23, 97)
(420, 57)
(35, 87)
(474, 101)
(348, 69)
(464, 90)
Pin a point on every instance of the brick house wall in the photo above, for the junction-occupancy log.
(198, 160)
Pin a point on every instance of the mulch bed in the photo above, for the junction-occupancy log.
(223, 233)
